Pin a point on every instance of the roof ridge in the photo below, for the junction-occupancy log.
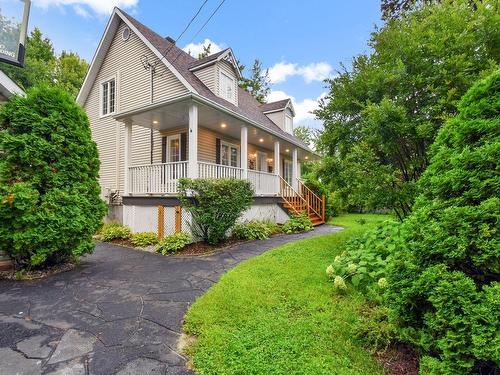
(173, 46)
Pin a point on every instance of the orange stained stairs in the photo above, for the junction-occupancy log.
(303, 201)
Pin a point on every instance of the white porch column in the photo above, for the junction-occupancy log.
(192, 171)
(277, 165)
(127, 158)
(295, 169)
(244, 152)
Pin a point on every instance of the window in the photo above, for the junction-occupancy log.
(174, 148)
(287, 171)
(229, 154)
(288, 124)
(226, 88)
(108, 97)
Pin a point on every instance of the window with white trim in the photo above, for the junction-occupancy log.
(108, 97)
(226, 87)
(229, 154)
(288, 124)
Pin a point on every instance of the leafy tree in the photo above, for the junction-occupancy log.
(214, 205)
(206, 51)
(444, 283)
(258, 85)
(42, 66)
(392, 103)
(50, 203)
(396, 8)
(305, 134)
(40, 62)
(70, 72)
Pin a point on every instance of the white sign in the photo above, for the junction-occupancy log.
(13, 25)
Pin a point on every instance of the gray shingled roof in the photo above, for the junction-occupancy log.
(248, 106)
(207, 59)
(274, 106)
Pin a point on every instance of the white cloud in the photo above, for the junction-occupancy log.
(279, 72)
(85, 7)
(303, 109)
(196, 48)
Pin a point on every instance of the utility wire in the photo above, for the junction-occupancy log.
(201, 28)
(163, 55)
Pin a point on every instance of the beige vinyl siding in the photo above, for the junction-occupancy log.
(278, 118)
(209, 77)
(133, 89)
(228, 69)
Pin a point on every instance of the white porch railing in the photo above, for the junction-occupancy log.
(156, 178)
(263, 183)
(210, 170)
(163, 178)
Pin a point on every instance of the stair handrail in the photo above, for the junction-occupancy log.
(317, 205)
(285, 185)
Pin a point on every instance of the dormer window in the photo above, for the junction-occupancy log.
(108, 97)
(226, 87)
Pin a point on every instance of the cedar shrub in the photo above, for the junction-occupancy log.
(50, 203)
(444, 290)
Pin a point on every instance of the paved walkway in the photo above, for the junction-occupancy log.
(119, 312)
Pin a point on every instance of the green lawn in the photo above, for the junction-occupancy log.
(277, 314)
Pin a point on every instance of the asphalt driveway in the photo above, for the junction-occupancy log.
(119, 312)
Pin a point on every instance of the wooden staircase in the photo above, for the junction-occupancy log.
(303, 200)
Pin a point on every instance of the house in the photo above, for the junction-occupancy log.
(157, 114)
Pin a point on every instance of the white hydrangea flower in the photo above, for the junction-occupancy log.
(337, 259)
(352, 268)
(329, 271)
(339, 283)
(382, 283)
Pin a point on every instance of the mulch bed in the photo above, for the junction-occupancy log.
(36, 274)
(193, 249)
(399, 359)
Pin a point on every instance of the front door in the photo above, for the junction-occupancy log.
(174, 148)
(262, 161)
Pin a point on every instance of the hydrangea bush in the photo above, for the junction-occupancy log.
(364, 260)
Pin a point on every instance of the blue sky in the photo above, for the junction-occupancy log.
(301, 42)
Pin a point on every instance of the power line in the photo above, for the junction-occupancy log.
(201, 28)
(163, 55)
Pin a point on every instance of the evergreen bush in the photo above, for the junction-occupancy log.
(50, 203)
(443, 284)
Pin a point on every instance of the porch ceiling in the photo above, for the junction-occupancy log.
(175, 114)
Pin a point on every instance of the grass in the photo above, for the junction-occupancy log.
(277, 314)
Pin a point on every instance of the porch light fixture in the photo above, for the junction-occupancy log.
(223, 125)
(155, 122)
(287, 150)
(261, 140)
(307, 157)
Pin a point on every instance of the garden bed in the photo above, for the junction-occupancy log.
(16, 274)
